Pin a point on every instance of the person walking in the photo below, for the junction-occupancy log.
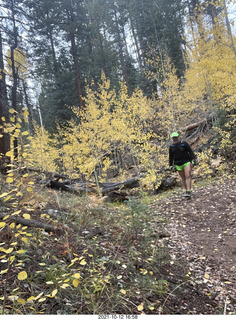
(182, 158)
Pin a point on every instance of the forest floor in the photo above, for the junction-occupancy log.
(203, 237)
(160, 255)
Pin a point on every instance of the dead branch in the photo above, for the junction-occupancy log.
(32, 223)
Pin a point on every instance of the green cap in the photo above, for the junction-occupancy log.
(174, 134)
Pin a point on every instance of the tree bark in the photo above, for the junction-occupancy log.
(29, 107)
(33, 223)
(229, 28)
(4, 112)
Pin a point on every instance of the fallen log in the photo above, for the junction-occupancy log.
(194, 125)
(64, 186)
(129, 183)
(32, 223)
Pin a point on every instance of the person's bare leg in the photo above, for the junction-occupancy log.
(188, 178)
(182, 176)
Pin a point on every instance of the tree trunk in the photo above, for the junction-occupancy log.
(136, 45)
(14, 70)
(29, 107)
(121, 55)
(4, 137)
(229, 28)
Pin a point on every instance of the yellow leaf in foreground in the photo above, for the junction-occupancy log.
(54, 293)
(83, 262)
(9, 154)
(122, 291)
(140, 307)
(3, 194)
(9, 250)
(2, 224)
(7, 198)
(65, 285)
(31, 298)
(21, 301)
(76, 275)
(39, 296)
(75, 283)
(9, 180)
(22, 275)
(25, 240)
(16, 213)
(26, 216)
(20, 251)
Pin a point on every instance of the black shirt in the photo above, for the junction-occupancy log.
(180, 153)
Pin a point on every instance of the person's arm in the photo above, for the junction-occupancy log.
(191, 153)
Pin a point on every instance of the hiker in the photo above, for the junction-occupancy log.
(182, 158)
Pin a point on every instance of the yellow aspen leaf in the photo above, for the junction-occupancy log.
(2, 224)
(67, 280)
(76, 275)
(25, 175)
(3, 271)
(18, 125)
(140, 307)
(9, 180)
(31, 299)
(26, 216)
(31, 183)
(123, 291)
(25, 133)
(6, 217)
(22, 275)
(16, 213)
(25, 240)
(54, 292)
(42, 299)
(12, 111)
(29, 189)
(19, 194)
(75, 283)
(206, 276)
(83, 262)
(14, 243)
(12, 259)
(151, 308)
(20, 251)
(3, 119)
(7, 198)
(65, 285)
(3, 194)
(9, 153)
(9, 250)
(12, 225)
(24, 154)
(49, 282)
(12, 119)
(39, 296)
(21, 301)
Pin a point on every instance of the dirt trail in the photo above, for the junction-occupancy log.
(203, 233)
